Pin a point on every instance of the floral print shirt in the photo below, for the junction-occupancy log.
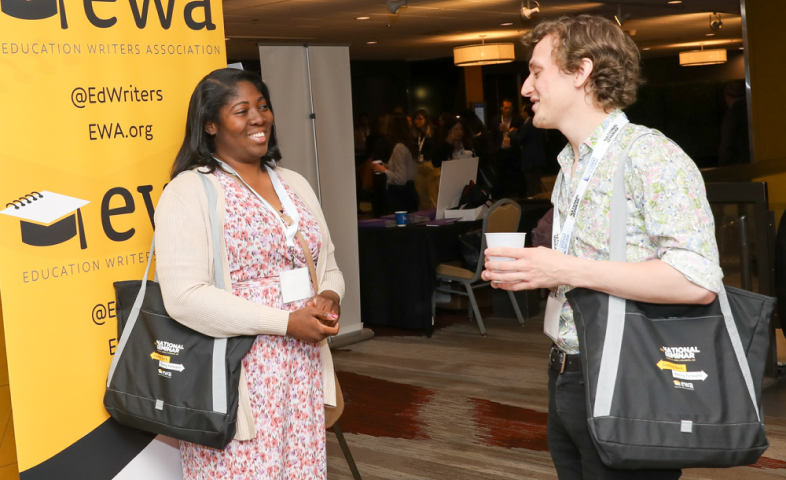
(669, 217)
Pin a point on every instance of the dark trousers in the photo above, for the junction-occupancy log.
(570, 443)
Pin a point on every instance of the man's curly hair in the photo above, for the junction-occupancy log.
(616, 71)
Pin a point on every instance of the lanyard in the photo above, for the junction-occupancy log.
(561, 237)
(286, 202)
(420, 143)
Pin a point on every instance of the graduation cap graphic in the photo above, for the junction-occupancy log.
(48, 218)
(34, 9)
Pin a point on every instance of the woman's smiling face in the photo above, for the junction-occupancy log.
(244, 123)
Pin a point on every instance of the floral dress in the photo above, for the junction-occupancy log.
(284, 374)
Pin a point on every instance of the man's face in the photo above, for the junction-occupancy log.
(506, 108)
(551, 91)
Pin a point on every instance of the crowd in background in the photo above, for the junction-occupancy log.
(399, 157)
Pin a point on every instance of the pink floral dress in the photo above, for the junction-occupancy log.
(284, 375)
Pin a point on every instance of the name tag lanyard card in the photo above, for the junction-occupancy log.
(295, 283)
(561, 236)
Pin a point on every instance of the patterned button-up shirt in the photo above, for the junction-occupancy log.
(668, 218)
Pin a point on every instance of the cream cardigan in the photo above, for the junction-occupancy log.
(184, 256)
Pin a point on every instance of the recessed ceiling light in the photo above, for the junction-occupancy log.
(363, 18)
(675, 1)
(506, 24)
(226, 39)
(709, 34)
(371, 43)
(742, 48)
(647, 48)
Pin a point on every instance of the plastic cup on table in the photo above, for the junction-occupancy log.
(513, 240)
(401, 219)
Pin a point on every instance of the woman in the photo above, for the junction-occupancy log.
(454, 142)
(287, 376)
(424, 134)
(401, 168)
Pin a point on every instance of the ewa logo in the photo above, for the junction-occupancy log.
(683, 385)
(164, 373)
(167, 347)
(680, 353)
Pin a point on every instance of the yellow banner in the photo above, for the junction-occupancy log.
(94, 97)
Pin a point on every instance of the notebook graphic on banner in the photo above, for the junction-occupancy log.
(48, 218)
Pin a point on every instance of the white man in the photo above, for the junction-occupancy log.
(583, 71)
(506, 153)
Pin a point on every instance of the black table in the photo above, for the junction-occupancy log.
(398, 271)
(398, 267)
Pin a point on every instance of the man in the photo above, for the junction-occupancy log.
(734, 146)
(529, 140)
(583, 70)
(506, 154)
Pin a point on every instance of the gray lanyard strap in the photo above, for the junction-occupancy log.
(219, 344)
(561, 237)
(615, 326)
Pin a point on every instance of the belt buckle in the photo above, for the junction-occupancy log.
(562, 358)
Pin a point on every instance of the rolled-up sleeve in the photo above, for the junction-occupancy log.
(669, 190)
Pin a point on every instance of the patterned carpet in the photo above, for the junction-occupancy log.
(460, 406)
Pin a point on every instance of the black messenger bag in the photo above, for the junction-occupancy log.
(166, 378)
(672, 386)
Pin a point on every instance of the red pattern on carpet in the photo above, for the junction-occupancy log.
(508, 426)
(771, 463)
(381, 408)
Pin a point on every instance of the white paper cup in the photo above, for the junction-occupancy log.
(513, 240)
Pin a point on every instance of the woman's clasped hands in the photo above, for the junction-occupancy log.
(317, 320)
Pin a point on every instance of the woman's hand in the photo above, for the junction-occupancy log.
(327, 301)
(379, 167)
(311, 324)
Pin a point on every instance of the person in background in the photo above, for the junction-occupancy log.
(583, 71)
(378, 148)
(529, 140)
(362, 131)
(401, 169)
(424, 135)
(506, 154)
(427, 179)
(450, 143)
(734, 144)
(480, 146)
(287, 377)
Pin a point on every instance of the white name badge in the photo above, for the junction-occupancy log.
(295, 284)
(551, 318)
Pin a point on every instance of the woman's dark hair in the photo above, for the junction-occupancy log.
(211, 94)
(446, 127)
(399, 132)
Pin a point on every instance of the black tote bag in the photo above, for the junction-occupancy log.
(672, 386)
(166, 378)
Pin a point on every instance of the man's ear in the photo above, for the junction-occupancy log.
(211, 128)
(582, 74)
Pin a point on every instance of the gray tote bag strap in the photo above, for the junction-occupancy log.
(219, 373)
(219, 344)
(615, 325)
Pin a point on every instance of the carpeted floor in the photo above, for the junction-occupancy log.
(459, 406)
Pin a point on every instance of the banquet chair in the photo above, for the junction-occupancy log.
(503, 216)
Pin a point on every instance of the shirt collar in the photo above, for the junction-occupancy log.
(565, 158)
